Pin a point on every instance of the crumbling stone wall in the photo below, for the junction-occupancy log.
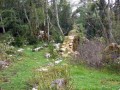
(70, 43)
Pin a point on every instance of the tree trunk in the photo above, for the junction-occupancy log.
(110, 35)
(56, 15)
(106, 21)
(2, 23)
(47, 19)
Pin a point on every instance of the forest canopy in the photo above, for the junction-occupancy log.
(23, 18)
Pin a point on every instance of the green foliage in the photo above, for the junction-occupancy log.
(90, 21)
(116, 31)
(64, 16)
(56, 35)
(18, 41)
(32, 40)
(44, 79)
(7, 52)
(52, 51)
(41, 15)
(6, 38)
(20, 23)
(20, 71)
(114, 66)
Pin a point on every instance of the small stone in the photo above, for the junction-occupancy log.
(20, 50)
(47, 55)
(43, 69)
(57, 62)
(59, 83)
(10, 55)
(37, 49)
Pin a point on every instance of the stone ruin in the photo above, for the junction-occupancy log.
(111, 53)
(70, 43)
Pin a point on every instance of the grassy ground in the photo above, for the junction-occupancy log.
(91, 79)
(21, 71)
(16, 76)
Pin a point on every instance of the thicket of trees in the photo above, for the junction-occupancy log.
(24, 19)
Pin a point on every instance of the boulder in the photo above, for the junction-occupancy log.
(111, 53)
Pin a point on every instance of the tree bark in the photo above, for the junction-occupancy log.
(110, 35)
(2, 24)
(47, 19)
(56, 15)
(106, 21)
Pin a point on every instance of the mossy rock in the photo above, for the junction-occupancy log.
(111, 53)
(73, 32)
(66, 38)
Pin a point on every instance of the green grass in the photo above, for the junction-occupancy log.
(90, 79)
(20, 72)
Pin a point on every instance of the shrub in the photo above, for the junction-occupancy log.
(90, 52)
(113, 65)
(18, 41)
(44, 79)
(7, 53)
(53, 52)
(32, 40)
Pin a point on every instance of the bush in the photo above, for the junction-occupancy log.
(116, 31)
(19, 41)
(6, 38)
(56, 36)
(7, 53)
(32, 40)
(90, 52)
(44, 79)
(114, 65)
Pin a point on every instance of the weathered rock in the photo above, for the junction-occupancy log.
(47, 55)
(20, 50)
(57, 46)
(59, 83)
(58, 61)
(111, 52)
(35, 88)
(73, 32)
(70, 44)
(3, 64)
(44, 69)
(37, 49)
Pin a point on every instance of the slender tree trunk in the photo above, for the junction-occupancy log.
(56, 15)
(37, 19)
(29, 22)
(47, 19)
(2, 24)
(110, 35)
(106, 21)
(25, 12)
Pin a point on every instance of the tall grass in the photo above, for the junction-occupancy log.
(43, 79)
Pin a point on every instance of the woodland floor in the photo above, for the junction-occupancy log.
(84, 78)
